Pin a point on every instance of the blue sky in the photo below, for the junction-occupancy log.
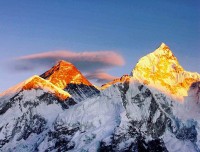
(130, 28)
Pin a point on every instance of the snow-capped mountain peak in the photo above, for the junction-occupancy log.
(163, 46)
(67, 77)
(164, 50)
(64, 73)
(162, 70)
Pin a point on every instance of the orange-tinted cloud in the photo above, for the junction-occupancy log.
(107, 57)
(100, 77)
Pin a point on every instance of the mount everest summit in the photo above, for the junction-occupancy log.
(155, 108)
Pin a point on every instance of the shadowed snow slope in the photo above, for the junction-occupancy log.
(126, 116)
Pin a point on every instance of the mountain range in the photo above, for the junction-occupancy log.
(155, 108)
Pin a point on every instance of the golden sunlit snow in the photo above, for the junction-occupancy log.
(161, 69)
(37, 82)
(63, 74)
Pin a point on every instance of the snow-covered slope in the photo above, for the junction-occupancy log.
(126, 115)
(26, 117)
(36, 82)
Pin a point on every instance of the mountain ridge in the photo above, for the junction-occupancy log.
(161, 66)
(128, 114)
(161, 69)
(36, 82)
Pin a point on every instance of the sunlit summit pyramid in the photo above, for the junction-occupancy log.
(162, 70)
(63, 74)
(67, 77)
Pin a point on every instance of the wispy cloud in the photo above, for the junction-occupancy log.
(100, 56)
(92, 64)
(100, 77)
(85, 61)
